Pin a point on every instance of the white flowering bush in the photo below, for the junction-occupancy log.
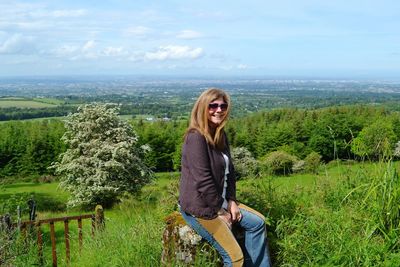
(396, 151)
(298, 166)
(246, 166)
(102, 161)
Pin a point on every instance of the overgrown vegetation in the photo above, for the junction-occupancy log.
(348, 215)
(347, 220)
(348, 133)
(343, 213)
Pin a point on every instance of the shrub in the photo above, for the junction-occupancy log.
(10, 205)
(103, 160)
(375, 141)
(246, 165)
(312, 162)
(279, 162)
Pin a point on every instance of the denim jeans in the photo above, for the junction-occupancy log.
(218, 234)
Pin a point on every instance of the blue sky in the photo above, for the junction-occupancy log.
(227, 38)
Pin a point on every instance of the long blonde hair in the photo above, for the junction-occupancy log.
(199, 117)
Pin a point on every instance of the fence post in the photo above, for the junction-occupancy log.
(39, 243)
(32, 209)
(66, 236)
(5, 223)
(19, 217)
(99, 217)
(53, 243)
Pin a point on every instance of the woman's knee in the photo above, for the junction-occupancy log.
(259, 222)
(236, 257)
(251, 210)
(238, 262)
(252, 220)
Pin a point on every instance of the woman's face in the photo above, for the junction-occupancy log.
(217, 111)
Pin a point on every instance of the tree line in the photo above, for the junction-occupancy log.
(347, 132)
(28, 147)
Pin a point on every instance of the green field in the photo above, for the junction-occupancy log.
(9, 103)
(339, 216)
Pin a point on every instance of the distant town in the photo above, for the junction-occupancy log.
(171, 98)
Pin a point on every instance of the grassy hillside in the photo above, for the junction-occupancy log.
(345, 215)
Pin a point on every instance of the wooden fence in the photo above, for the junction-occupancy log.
(97, 223)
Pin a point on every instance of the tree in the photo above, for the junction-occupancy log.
(163, 138)
(375, 140)
(279, 162)
(312, 162)
(102, 160)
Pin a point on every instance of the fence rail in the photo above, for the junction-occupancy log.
(97, 223)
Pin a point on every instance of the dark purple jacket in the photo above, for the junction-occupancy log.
(202, 177)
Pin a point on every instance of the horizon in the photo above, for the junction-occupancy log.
(183, 78)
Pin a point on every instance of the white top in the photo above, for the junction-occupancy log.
(225, 204)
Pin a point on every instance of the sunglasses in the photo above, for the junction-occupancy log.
(215, 106)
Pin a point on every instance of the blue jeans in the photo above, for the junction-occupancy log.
(219, 235)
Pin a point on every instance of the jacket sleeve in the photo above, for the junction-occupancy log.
(198, 161)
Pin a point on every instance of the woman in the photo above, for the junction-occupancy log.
(207, 194)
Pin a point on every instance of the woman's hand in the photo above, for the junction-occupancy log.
(225, 216)
(234, 210)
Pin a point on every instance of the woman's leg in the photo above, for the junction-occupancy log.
(252, 222)
(218, 234)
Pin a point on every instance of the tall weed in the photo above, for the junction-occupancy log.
(382, 200)
(352, 220)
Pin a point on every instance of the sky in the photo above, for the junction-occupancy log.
(200, 38)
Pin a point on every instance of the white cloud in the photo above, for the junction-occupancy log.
(68, 13)
(28, 17)
(14, 25)
(242, 66)
(45, 13)
(114, 51)
(75, 52)
(92, 50)
(138, 31)
(174, 52)
(89, 45)
(66, 50)
(88, 50)
(136, 57)
(18, 44)
(189, 34)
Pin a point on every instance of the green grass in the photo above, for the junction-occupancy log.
(49, 189)
(12, 98)
(344, 215)
(48, 197)
(24, 104)
(51, 101)
(20, 102)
